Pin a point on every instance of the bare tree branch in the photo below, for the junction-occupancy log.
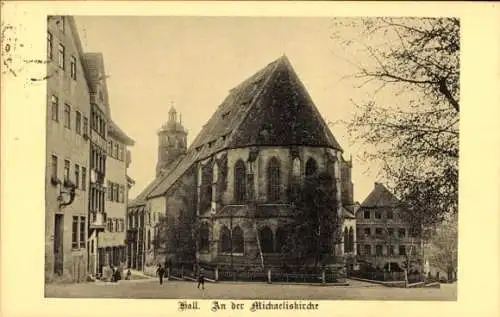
(417, 145)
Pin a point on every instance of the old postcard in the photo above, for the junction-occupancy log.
(233, 160)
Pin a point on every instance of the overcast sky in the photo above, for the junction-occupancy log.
(195, 61)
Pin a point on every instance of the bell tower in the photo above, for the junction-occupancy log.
(172, 142)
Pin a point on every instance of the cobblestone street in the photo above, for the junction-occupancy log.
(150, 289)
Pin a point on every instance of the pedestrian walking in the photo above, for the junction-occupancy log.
(160, 272)
(117, 275)
(129, 275)
(201, 279)
(112, 273)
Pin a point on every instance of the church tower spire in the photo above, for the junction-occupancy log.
(172, 113)
(172, 142)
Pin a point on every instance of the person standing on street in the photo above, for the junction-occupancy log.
(160, 272)
(201, 279)
(112, 276)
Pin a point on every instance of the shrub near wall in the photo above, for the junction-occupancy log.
(387, 276)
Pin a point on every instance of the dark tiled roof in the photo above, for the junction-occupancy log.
(96, 75)
(284, 114)
(115, 130)
(272, 107)
(235, 211)
(380, 197)
(261, 211)
(347, 214)
(266, 211)
(141, 198)
(166, 182)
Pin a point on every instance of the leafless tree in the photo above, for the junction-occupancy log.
(443, 248)
(414, 133)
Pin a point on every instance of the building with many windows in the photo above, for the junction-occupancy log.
(235, 179)
(112, 242)
(86, 151)
(68, 147)
(384, 233)
(108, 174)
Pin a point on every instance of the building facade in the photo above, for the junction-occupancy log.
(68, 148)
(384, 233)
(98, 159)
(144, 214)
(349, 210)
(233, 183)
(109, 160)
(78, 166)
(112, 242)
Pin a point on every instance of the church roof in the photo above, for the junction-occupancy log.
(271, 108)
(260, 211)
(140, 199)
(380, 196)
(347, 214)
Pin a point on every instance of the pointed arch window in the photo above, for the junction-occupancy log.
(351, 240)
(206, 188)
(238, 240)
(346, 240)
(215, 180)
(311, 167)
(225, 240)
(273, 180)
(266, 240)
(296, 167)
(281, 240)
(204, 237)
(240, 178)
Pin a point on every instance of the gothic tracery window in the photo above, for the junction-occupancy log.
(351, 239)
(225, 240)
(240, 178)
(346, 240)
(206, 188)
(273, 180)
(311, 167)
(238, 240)
(204, 237)
(281, 240)
(266, 240)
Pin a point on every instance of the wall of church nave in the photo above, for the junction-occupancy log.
(181, 197)
(282, 160)
(270, 231)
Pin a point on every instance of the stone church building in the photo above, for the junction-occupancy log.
(233, 182)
